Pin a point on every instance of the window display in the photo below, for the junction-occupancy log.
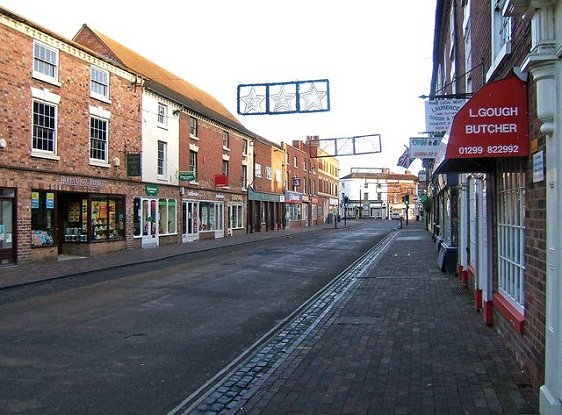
(42, 218)
(93, 218)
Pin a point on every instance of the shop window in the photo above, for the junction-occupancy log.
(236, 216)
(511, 231)
(145, 213)
(262, 211)
(293, 211)
(210, 216)
(107, 218)
(167, 216)
(42, 218)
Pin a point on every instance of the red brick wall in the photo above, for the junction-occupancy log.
(73, 123)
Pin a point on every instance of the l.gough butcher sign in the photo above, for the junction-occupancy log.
(493, 123)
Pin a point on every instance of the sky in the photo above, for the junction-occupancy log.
(376, 55)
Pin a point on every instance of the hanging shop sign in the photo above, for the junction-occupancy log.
(493, 123)
(439, 114)
(186, 176)
(133, 164)
(424, 147)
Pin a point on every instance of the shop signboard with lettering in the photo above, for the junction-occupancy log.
(439, 114)
(151, 190)
(424, 147)
(493, 123)
(133, 164)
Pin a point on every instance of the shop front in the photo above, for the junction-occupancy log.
(293, 209)
(489, 142)
(7, 224)
(78, 217)
(203, 216)
(265, 211)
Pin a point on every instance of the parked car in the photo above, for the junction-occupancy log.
(396, 216)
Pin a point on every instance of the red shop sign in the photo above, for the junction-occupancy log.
(493, 123)
(221, 180)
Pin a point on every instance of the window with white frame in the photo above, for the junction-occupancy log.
(162, 115)
(511, 231)
(295, 163)
(45, 62)
(162, 158)
(225, 139)
(268, 173)
(99, 139)
(501, 33)
(257, 168)
(99, 83)
(44, 127)
(473, 224)
(244, 182)
(278, 176)
(245, 147)
(167, 216)
(236, 219)
(193, 127)
(225, 168)
(193, 163)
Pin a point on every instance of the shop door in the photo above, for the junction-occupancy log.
(219, 215)
(7, 244)
(150, 220)
(229, 219)
(191, 221)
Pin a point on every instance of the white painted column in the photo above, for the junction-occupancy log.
(463, 222)
(545, 66)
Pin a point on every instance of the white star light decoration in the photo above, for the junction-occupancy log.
(253, 102)
(313, 98)
(284, 97)
(283, 101)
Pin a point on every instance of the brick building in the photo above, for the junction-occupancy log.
(208, 150)
(497, 173)
(68, 119)
(266, 210)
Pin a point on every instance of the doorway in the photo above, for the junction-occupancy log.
(7, 223)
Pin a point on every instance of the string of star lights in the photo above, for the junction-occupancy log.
(284, 97)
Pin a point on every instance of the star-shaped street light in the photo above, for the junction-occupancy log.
(313, 98)
(283, 100)
(253, 102)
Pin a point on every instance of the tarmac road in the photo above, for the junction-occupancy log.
(140, 339)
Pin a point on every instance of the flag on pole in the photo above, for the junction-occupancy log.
(405, 160)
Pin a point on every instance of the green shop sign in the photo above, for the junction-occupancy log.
(186, 176)
(151, 190)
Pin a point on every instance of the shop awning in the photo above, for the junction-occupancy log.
(492, 124)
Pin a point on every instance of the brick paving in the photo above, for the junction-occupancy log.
(404, 340)
(399, 337)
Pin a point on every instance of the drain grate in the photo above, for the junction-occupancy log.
(461, 291)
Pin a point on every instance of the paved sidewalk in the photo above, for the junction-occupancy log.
(404, 339)
(17, 275)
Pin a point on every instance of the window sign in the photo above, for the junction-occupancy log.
(34, 200)
(50, 201)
